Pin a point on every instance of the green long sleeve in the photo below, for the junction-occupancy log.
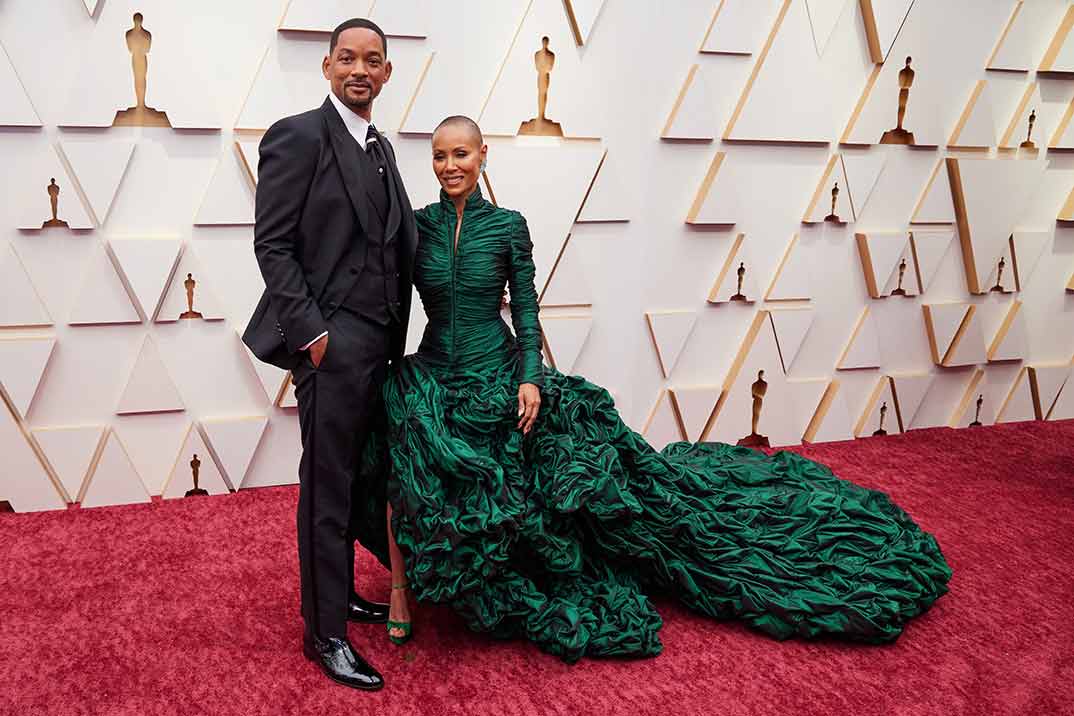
(524, 308)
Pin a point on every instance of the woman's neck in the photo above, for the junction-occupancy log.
(460, 200)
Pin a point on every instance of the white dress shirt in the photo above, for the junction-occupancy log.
(358, 128)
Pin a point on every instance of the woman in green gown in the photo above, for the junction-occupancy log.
(521, 499)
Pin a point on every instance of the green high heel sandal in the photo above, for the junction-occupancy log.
(405, 627)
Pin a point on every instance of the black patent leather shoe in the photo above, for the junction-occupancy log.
(365, 612)
(341, 663)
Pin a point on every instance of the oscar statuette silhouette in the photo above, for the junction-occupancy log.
(189, 285)
(899, 290)
(758, 390)
(139, 41)
(900, 135)
(1028, 143)
(54, 200)
(833, 218)
(544, 60)
(977, 416)
(999, 275)
(195, 466)
(883, 411)
(741, 275)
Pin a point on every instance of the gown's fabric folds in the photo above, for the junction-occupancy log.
(559, 536)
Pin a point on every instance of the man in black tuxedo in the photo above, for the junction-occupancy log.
(335, 240)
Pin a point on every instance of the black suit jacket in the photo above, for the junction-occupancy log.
(309, 235)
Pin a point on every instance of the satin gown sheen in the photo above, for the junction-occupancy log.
(561, 536)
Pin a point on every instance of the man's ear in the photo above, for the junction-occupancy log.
(324, 67)
(387, 70)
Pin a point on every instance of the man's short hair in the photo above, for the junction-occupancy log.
(353, 23)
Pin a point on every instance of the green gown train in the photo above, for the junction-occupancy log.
(562, 535)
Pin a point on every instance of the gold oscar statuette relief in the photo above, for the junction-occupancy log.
(999, 275)
(739, 296)
(1028, 143)
(195, 467)
(977, 416)
(54, 199)
(899, 290)
(139, 40)
(544, 59)
(758, 390)
(189, 285)
(883, 413)
(900, 135)
(833, 218)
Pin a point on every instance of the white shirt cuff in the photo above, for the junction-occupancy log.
(307, 346)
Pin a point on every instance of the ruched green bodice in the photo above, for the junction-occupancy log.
(461, 288)
(559, 536)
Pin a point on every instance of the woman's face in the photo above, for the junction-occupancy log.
(457, 157)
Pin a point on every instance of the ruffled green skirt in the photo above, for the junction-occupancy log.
(561, 536)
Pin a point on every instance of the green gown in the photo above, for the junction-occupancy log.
(560, 536)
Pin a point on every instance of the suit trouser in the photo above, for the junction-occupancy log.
(338, 402)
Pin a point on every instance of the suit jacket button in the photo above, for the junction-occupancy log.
(331, 305)
(354, 271)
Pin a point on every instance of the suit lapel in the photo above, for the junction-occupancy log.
(399, 203)
(391, 226)
(343, 146)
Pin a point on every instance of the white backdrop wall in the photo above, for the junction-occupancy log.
(700, 136)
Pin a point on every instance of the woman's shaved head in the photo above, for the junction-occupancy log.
(462, 123)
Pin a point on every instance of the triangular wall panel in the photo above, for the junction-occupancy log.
(929, 248)
(194, 455)
(114, 480)
(793, 280)
(691, 115)
(15, 107)
(990, 196)
(736, 282)
(563, 171)
(566, 337)
(234, 442)
(607, 199)
(694, 405)
(863, 348)
(976, 127)
(229, 198)
(176, 302)
(100, 166)
(791, 327)
(22, 363)
(662, 426)
(935, 205)
(670, 330)
(24, 482)
(832, 185)
(739, 27)
(146, 264)
(70, 452)
(102, 297)
(149, 388)
(42, 177)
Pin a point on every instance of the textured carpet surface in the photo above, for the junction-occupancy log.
(191, 607)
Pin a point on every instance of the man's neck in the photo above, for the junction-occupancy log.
(365, 112)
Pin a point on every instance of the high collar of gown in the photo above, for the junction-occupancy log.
(474, 201)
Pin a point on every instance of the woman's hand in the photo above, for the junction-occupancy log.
(529, 402)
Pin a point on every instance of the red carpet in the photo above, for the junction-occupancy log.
(191, 607)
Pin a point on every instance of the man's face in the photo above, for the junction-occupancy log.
(357, 68)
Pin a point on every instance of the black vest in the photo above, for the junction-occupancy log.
(375, 294)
